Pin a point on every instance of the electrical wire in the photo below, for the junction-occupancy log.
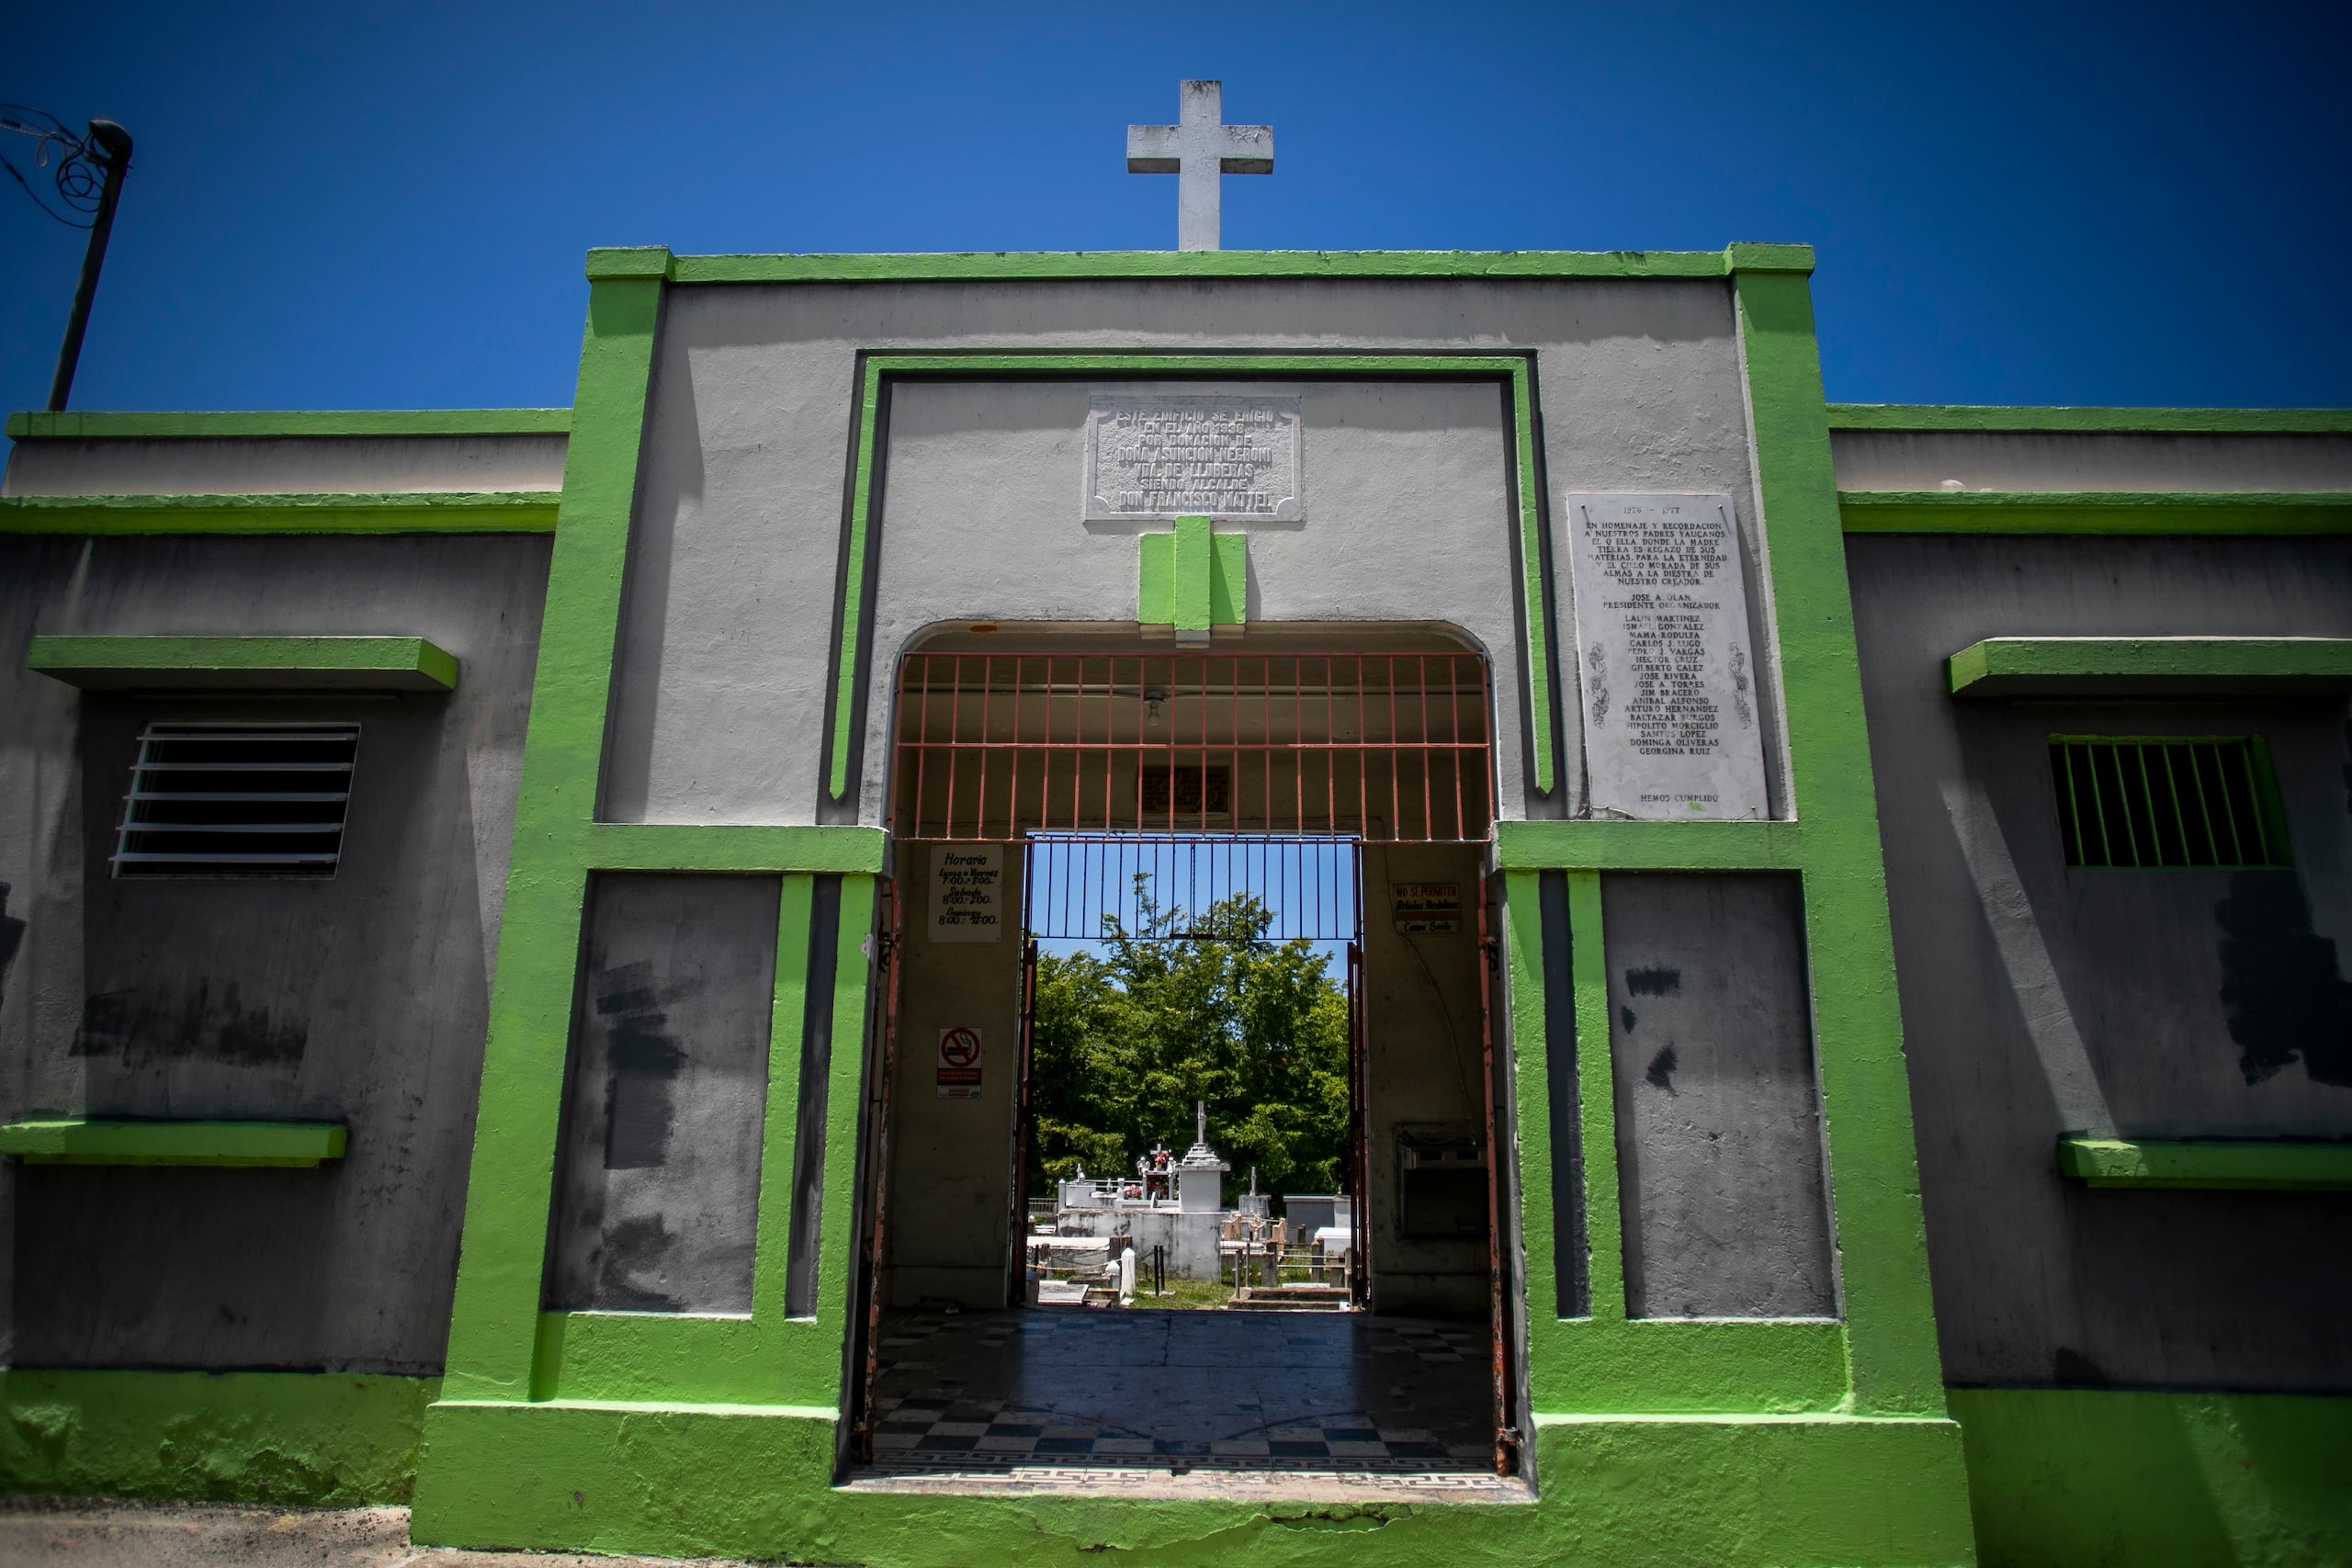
(79, 176)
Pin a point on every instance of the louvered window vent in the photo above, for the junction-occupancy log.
(237, 800)
(2167, 802)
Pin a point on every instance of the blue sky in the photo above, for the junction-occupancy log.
(386, 205)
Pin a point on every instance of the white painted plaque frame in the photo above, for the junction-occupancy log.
(1153, 460)
(1666, 665)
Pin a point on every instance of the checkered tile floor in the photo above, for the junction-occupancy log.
(1174, 1391)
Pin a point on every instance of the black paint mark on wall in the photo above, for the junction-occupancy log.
(2281, 981)
(142, 1027)
(1658, 982)
(632, 1251)
(642, 1067)
(12, 937)
(1661, 1070)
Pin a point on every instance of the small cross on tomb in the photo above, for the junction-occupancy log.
(1198, 151)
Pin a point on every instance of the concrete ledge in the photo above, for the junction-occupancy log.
(2070, 1477)
(403, 511)
(318, 1439)
(2245, 1163)
(1643, 1491)
(1993, 419)
(2152, 667)
(94, 1140)
(2100, 511)
(244, 663)
(75, 426)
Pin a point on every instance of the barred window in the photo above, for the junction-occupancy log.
(237, 800)
(2167, 802)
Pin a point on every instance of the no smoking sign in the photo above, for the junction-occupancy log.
(959, 1063)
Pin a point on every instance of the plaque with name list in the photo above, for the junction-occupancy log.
(1158, 459)
(1670, 730)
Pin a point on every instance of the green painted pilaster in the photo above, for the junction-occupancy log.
(494, 1319)
(1193, 565)
(1874, 1168)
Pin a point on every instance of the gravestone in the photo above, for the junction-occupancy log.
(1156, 459)
(1670, 729)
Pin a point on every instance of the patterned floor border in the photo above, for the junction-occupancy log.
(1325, 1485)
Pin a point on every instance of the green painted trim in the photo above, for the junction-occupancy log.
(627, 264)
(1193, 569)
(660, 846)
(494, 1319)
(1598, 845)
(115, 663)
(2098, 511)
(2207, 1163)
(76, 426)
(2150, 666)
(1650, 1491)
(317, 1440)
(1597, 1115)
(1880, 1233)
(2064, 1478)
(1607, 1363)
(454, 512)
(1512, 369)
(1226, 589)
(1065, 265)
(2088, 421)
(78, 1140)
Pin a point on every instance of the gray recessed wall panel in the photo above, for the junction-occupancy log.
(1719, 1151)
(721, 700)
(2039, 1000)
(657, 1182)
(362, 999)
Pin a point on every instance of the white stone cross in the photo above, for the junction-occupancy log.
(1198, 151)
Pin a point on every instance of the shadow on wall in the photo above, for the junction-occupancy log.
(2283, 988)
(2079, 1478)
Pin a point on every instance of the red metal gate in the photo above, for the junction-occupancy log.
(1380, 746)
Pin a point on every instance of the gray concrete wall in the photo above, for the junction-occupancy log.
(658, 1179)
(1428, 1062)
(1719, 1151)
(290, 465)
(2038, 1001)
(2028, 460)
(951, 1160)
(721, 708)
(360, 1000)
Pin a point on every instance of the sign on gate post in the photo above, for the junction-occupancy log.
(959, 1063)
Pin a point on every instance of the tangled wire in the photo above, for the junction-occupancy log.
(75, 165)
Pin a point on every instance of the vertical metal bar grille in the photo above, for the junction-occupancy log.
(2153, 803)
(1385, 746)
(237, 800)
(1077, 882)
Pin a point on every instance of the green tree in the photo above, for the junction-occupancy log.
(1185, 1009)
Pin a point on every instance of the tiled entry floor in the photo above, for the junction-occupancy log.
(1080, 1393)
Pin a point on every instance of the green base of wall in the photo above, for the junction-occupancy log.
(323, 1440)
(749, 1481)
(2086, 1477)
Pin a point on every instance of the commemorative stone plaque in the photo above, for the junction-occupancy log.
(1151, 459)
(1669, 688)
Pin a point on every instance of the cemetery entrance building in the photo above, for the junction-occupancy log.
(552, 964)
(1188, 1077)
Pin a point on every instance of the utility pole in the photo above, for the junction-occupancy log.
(109, 145)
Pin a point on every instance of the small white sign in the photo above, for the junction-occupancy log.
(967, 893)
(959, 1063)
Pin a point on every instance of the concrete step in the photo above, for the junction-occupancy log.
(1289, 1298)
